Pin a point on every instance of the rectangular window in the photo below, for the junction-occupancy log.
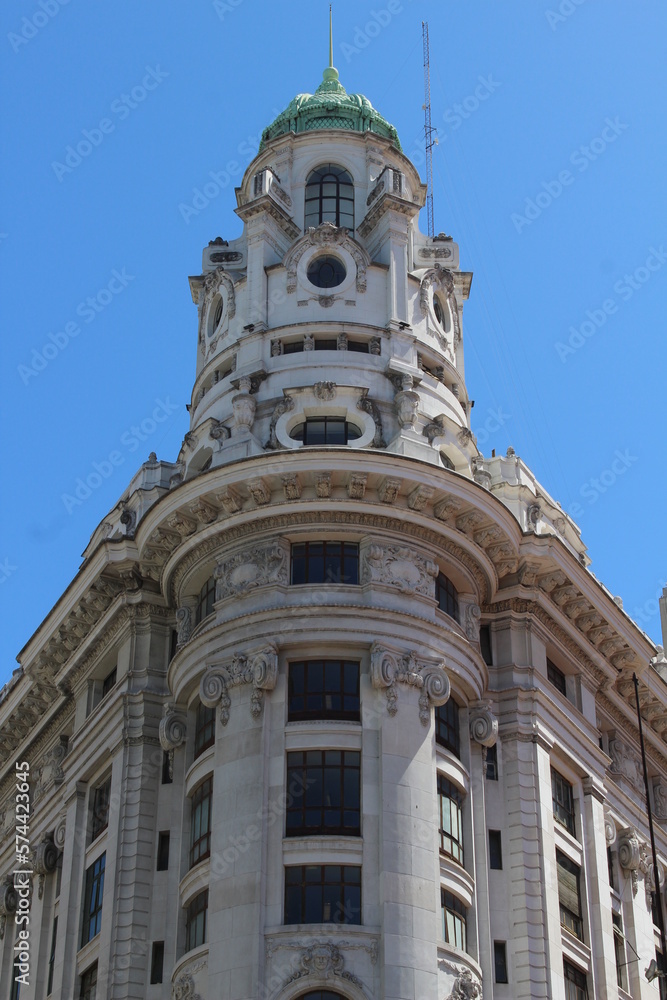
(569, 895)
(204, 729)
(447, 596)
(556, 677)
(166, 768)
(495, 850)
(323, 793)
(92, 903)
(492, 763)
(610, 869)
(88, 988)
(325, 562)
(576, 987)
(100, 819)
(52, 957)
(362, 346)
(323, 894)
(294, 347)
(157, 961)
(563, 801)
(500, 961)
(206, 601)
(485, 644)
(326, 344)
(323, 689)
(454, 920)
(195, 921)
(163, 851)
(451, 819)
(200, 822)
(109, 682)
(619, 950)
(447, 729)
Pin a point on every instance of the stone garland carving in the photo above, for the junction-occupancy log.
(260, 669)
(258, 566)
(324, 390)
(7, 903)
(399, 567)
(45, 859)
(324, 961)
(183, 626)
(466, 987)
(369, 406)
(285, 405)
(389, 668)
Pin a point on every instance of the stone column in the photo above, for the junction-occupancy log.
(598, 890)
(69, 907)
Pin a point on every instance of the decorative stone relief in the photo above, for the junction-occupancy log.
(7, 903)
(625, 762)
(183, 626)
(291, 486)
(284, 405)
(368, 405)
(259, 491)
(258, 566)
(388, 668)
(466, 987)
(483, 725)
(230, 500)
(45, 859)
(50, 771)
(389, 489)
(324, 390)
(406, 403)
(244, 407)
(631, 855)
(323, 485)
(375, 345)
(205, 512)
(419, 497)
(399, 567)
(441, 278)
(660, 800)
(471, 620)
(436, 428)
(356, 486)
(259, 669)
(172, 732)
(184, 989)
(326, 235)
(609, 829)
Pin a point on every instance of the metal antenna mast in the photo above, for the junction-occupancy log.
(428, 131)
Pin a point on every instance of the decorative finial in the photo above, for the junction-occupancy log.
(330, 75)
(330, 38)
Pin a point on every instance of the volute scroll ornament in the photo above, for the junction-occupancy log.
(389, 668)
(183, 626)
(483, 725)
(259, 669)
(8, 902)
(45, 859)
(173, 732)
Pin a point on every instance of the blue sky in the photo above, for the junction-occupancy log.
(549, 173)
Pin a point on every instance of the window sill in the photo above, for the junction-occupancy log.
(195, 881)
(199, 770)
(575, 950)
(568, 844)
(186, 959)
(308, 735)
(96, 847)
(456, 879)
(449, 765)
(322, 850)
(87, 954)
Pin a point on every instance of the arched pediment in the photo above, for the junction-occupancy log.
(327, 236)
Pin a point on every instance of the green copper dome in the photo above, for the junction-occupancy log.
(330, 107)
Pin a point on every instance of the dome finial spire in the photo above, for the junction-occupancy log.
(330, 38)
(330, 75)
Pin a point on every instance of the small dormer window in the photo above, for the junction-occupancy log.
(329, 197)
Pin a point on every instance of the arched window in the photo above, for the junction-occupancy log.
(321, 995)
(329, 197)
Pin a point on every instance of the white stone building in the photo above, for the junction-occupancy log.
(334, 707)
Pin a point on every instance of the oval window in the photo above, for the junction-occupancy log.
(216, 313)
(326, 272)
(437, 309)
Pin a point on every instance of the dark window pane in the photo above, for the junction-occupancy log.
(323, 793)
(316, 894)
(206, 599)
(447, 730)
(200, 822)
(454, 920)
(195, 921)
(204, 729)
(500, 961)
(492, 763)
(495, 849)
(447, 596)
(163, 851)
(326, 689)
(451, 819)
(563, 801)
(157, 961)
(92, 905)
(328, 189)
(556, 677)
(101, 800)
(88, 987)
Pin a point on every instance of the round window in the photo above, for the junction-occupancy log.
(326, 272)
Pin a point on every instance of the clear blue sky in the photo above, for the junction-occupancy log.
(549, 173)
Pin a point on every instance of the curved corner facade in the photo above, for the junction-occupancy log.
(334, 707)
